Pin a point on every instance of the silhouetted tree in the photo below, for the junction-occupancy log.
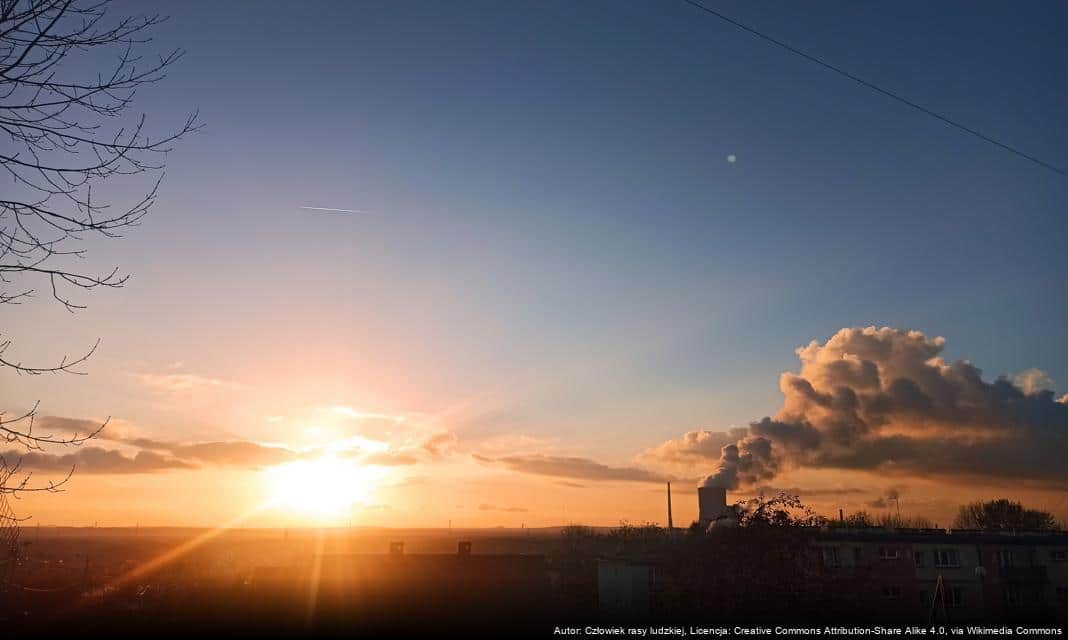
(782, 510)
(1002, 514)
(67, 128)
(641, 538)
(859, 520)
(764, 567)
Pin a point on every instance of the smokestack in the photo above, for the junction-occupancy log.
(671, 523)
(711, 504)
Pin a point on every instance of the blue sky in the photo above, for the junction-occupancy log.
(550, 209)
(561, 169)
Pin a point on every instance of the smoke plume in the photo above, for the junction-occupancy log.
(885, 399)
(749, 461)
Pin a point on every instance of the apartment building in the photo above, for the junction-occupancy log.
(953, 574)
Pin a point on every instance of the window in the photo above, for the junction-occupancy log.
(947, 558)
(921, 559)
(858, 556)
(1020, 595)
(954, 597)
(1006, 558)
(830, 557)
(888, 554)
(1059, 555)
(892, 592)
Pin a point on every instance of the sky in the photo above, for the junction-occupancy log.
(555, 273)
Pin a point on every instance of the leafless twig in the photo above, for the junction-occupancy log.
(65, 132)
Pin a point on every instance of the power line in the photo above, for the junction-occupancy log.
(877, 88)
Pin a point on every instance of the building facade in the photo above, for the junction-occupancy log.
(957, 575)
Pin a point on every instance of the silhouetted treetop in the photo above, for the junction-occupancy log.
(782, 510)
(1003, 514)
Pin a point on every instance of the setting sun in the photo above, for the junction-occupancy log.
(323, 487)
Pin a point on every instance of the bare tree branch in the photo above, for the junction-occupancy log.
(63, 133)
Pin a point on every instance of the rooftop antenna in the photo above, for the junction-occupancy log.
(671, 523)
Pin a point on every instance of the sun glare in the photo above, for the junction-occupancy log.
(326, 487)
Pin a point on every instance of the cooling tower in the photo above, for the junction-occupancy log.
(711, 504)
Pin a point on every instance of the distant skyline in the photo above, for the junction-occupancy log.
(557, 243)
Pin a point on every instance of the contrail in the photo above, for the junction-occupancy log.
(330, 210)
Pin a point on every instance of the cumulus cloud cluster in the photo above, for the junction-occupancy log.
(885, 399)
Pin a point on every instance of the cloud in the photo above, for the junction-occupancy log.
(234, 453)
(44, 425)
(694, 447)
(174, 382)
(95, 460)
(440, 444)
(885, 399)
(574, 468)
(490, 507)
(157, 455)
(356, 414)
(331, 210)
(770, 490)
(154, 454)
(1033, 381)
(253, 454)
